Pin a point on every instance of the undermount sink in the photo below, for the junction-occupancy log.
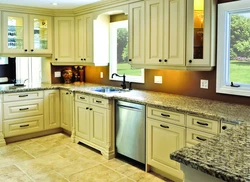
(108, 90)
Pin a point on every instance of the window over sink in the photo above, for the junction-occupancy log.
(119, 54)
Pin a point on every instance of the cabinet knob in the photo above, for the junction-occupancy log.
(87, 108)
(81, 59)
(25, 50)
(31, 50)
(190, 61)
(159, 60)
(166, 60)
(90, 109)
(130, 60)
(84, 59)
(56, 59)
(224, 127)
(67, 93)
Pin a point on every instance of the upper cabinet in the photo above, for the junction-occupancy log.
(63, 40)
(26, 34)
(165, 32)
(136, 33)
(84, 38)
(200, 46)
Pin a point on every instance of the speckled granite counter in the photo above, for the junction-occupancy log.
(226, 156)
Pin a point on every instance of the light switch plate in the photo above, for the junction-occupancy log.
(158, 79)
(204, 84)
(57, 74)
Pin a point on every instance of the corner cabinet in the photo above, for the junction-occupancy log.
(165, 33)
(136, 33)
(63, 40)
(84, 38)
(200, 46)
(66, 103)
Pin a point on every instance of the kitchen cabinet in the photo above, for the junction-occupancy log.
(51, 109)
(64, 44)
(165, 33)
(164, 136)
(66, 108)
(200, 46)
(26, 34)
(200, 129)
(93, 123)
(84, 38)
(22, 113)
(2, 141)
(136, 33)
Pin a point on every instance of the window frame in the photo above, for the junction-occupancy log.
(223, 85)
(113, 60)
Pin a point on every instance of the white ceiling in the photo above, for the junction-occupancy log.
(62, 4)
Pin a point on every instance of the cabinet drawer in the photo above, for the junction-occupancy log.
(194, 137)
(100, 102)
(209, 126)
(164, 115)
(23, 126)
(81, 98)
(22, 96)
(22, 109)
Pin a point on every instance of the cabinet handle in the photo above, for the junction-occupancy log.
(23, 96)
(25, 50)
(84, 59)
(159, 60)
(81, 59)
(87, 108)
(163, 126)
(25, 125)
(56, 59)
(165, 115)
(90, 109)
(98, 101)
(82, 97)
(31, 50)
(130, 60)
(224, 127)
(166, 60)
(67, 93)
(203, 124)
(202, 139)
(23, 109)
(190, 61)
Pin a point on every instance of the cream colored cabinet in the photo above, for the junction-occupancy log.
(22, 113)
(165, 134)
(93, 124)
(200, 129)
(66, 105)
(2, 141)
(64, 40)
(84, 38)
(200, 46)
(136, 33)
(165, 32)
(26, 34)
(51, 109)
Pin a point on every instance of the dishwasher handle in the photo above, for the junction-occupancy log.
(129, 107)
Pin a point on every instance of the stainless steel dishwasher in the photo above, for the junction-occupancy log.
(130, 130)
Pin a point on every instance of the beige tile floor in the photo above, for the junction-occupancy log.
(55, 158)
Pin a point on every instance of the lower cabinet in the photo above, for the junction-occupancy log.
(93, 124)
(163, 138)
(51, 109)
(66, 109)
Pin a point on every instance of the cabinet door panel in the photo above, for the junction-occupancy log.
(98, 126)
(66, 109)
(82, 120)
(88, 38)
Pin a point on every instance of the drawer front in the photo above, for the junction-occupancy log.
(22, 96)
(22, 109)
(209, 126)
(194, 137)
(164, 115)
(23, 126)
(82, 98)
(99, 102)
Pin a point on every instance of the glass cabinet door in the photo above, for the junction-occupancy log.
(15, 32)
(40, 39)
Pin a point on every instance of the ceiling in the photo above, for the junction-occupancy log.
(62, 4)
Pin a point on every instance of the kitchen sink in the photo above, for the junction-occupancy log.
(108, 90)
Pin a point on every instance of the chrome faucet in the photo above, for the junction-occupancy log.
(123, 81)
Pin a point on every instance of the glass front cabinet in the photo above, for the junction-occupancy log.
(26, 34)
(200, 48)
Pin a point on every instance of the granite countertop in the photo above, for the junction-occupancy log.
(225, 156)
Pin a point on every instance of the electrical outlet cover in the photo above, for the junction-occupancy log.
(57, 74)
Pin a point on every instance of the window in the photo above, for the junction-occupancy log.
(119, 54)
(28, 68)
(233, 48)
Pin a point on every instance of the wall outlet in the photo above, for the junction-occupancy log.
(57, 74)
(158, 79)
(204, 84)
(101, 74)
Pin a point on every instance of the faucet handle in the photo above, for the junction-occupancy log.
(130, 85)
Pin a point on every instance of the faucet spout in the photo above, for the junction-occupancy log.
(123, 81)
